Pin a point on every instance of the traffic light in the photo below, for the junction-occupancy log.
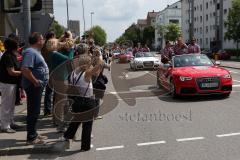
(14, 6)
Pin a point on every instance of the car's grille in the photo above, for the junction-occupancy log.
(208, 83)
(148, 63)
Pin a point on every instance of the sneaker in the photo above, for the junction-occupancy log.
(8, 130)
(41, 137)
(98, 117)
(15, 126)
(37, 141)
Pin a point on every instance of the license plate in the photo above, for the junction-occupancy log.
(209, 85)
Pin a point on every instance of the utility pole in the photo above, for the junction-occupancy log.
(221, 24)
(91, 19)
(26, 19)
(67, 15)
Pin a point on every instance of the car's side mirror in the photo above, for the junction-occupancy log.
(218, 63)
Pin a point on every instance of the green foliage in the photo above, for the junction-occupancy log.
(99, 35)
(132, 33)
(172, 32)
(58, 29)
(148, 36)
(233, 23)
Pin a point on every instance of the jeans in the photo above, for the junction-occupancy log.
(34, 95)
(48, 100)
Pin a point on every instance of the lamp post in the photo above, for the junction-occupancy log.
(91, 19)
(67, 15)
(84, 25)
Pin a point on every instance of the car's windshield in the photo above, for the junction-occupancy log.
(192, 60)
(144, 54)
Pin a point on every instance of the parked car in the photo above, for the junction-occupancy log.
(145, 60)
(115, 54)
(194, 74)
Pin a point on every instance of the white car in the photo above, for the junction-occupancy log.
(145, 60)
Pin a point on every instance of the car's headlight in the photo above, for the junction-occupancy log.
(183, 78)
(157, 62)
(227, 76)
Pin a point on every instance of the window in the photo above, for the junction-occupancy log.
(206, 41)
(206, 17)
(201, 19)
(201, 7)
(225, 11)
(206, 29)
(200, 30)
(214, 14)
(201, 41)
(207, 5)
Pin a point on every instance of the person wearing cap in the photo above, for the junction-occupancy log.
(193, 47)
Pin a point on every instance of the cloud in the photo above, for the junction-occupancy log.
(112, 10)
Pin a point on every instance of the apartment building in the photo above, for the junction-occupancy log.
(207, 18)
(171, 14)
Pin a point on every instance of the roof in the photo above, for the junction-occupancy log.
(152, 14)
(142, 22)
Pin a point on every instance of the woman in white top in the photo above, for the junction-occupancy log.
(81, 79)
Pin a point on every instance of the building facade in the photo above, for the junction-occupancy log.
(74, 27)
(171, 14)
(208, 19)
(47, 6)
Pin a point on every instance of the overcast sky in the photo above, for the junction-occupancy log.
(113, 15)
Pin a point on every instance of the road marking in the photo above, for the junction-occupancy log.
(152, 74)
(151, 143)
(236, 86)
(135, 91)
(232, 71)
(228, 135)
(109, 148)
(190, 139)
(236, 81)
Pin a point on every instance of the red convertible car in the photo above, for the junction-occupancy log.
(194, 74)
(126, 56)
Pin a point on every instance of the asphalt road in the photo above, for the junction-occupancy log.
(147, 124)
(141, 122)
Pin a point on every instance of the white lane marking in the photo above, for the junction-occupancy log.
(152, 74)
(236, 81)
(109, 148)
(228, 135)
(190, 139)
(232, 71)
(136, 91)
(92, 145)
(151, 143)
(236, 85)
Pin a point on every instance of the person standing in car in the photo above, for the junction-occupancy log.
(167, 53)
(193, 47)
(180, 48)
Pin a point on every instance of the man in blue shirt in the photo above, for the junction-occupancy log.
(35, 78)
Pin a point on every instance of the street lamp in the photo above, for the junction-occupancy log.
(67, 15)
(91, 19)
(84, 26)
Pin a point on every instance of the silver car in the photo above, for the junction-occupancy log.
(145, 60)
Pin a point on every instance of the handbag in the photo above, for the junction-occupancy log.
(99, 86)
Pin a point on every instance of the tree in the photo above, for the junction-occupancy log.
(233, 24)
(58, 29)
(149, 35)
(172, 32)
(99, 35)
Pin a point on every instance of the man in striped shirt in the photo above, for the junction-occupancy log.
(193, 47)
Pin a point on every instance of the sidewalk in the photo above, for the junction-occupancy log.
(230, 64)
(13, 146)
